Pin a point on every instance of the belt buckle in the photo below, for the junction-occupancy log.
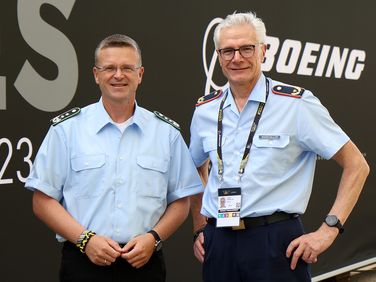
(240, 227)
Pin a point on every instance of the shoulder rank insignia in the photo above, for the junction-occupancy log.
(210, 97)
(288, 90)
(65, 116)
(167, 119)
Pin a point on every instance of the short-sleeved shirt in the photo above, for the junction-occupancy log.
(115, 184)
(280, 170)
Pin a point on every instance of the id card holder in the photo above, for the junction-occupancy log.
(229, 203)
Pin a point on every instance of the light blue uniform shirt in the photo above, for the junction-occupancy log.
(279, 173)
(117, 185)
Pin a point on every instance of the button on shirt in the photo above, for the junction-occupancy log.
(115, 184)
(280, 170)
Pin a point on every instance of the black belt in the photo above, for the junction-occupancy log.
(252, 222)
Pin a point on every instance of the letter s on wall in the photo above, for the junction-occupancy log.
(43, 94)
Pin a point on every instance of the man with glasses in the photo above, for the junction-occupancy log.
(112, 179)
(262, 138)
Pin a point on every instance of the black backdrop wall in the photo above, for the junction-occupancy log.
(46, 59)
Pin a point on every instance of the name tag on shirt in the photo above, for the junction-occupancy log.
(269, 137)
(229, 203)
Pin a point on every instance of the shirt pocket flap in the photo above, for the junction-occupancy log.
(209, 144)
(271, 140)
(149, 162)
(83, 162)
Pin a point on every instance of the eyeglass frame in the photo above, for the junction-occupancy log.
(111, 69)
(239, 50)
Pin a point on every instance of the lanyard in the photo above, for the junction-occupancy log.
(247, 149)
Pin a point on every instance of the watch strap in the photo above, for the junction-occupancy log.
(158, 240)
(155, 235)
(340, 227)
(197, 233)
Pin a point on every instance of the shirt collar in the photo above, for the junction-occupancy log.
(139, 118)
(258, 93)
(103, 118)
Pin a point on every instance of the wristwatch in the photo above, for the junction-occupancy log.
(158, 240)
(333, 221)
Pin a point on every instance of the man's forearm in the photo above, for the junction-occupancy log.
(355, 172)
(199, 221)
(174, 216)
(53, 214)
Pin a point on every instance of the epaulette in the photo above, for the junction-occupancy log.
(167, 119)
(288, 90)
(64, 116)
(210, 97)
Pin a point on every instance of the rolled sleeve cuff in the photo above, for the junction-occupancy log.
(187, 191)
(34, 184)
(333, 150)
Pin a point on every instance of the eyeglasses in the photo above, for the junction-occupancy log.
(113, 69)
(246, 51)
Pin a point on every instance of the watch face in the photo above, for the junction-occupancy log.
(331, 220)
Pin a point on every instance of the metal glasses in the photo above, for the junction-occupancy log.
(111, 69)
(246, 51)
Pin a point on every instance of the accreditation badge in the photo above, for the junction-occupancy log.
(229, 203)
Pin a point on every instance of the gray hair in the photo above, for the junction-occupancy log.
(117, 40)
(235, 19)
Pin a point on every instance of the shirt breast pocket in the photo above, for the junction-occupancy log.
(88, 175)
(152, 176)
(271, 154)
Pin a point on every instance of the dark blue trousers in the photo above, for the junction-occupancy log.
(254, 254)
